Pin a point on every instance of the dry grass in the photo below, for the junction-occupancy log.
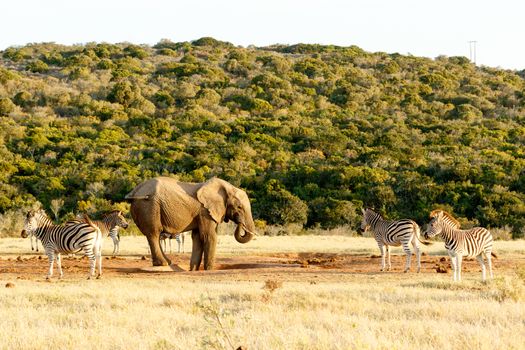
(168, 313)
(178, 311)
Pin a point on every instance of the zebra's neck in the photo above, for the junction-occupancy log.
(375, 220)
(109, 223)
(448, 233)
(44, 225)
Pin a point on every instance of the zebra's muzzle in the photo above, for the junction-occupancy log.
(24, 234)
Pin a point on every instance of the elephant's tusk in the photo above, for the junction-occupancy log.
(250, 232)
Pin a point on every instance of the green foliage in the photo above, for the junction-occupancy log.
(312, 132)
(37, 66)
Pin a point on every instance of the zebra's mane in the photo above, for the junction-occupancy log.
(105, 215)
(375, 212)
(454, 222)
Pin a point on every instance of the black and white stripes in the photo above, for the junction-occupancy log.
(475, 242)
(393, 233)
(70, 237)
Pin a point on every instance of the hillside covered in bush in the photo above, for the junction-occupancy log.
(312, 132)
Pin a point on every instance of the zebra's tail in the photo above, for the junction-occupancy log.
(88, 221)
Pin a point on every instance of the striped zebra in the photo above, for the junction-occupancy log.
(70, 237)
(179, 237)
(109, 226)
(393, 233)
(475, 242)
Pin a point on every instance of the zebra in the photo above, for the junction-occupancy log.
(179, 237)
(393, 233)
(475, 242)
(70, 237)
(109, 226)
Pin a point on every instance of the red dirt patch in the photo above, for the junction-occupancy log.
(285, 266)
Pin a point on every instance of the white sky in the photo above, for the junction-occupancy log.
(420, 27)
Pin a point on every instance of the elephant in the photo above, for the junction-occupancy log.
(163, 204)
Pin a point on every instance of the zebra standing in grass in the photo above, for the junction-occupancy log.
(70, 237)
(179, 237)
(393, 233)
(475, 242)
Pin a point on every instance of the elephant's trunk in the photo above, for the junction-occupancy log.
(248, 234)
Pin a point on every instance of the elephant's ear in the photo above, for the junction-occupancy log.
(213, 197)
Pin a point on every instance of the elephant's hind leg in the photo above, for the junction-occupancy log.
(157, 255)
(196, 250)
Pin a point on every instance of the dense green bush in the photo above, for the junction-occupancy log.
(312, 132)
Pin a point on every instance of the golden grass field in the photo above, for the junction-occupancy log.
(285, 292)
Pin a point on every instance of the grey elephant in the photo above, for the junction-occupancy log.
(163, 204)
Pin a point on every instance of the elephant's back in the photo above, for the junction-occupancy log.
(153, 187)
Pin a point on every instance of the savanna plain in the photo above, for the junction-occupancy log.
(281, 292)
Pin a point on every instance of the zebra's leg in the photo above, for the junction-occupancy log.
(389, 262)
(51, 257)
(115, 244)
(452, 256)
(459, 258)
(408, 253)
(415, 244)
(89, 251)
(170, 243)
(31, 239)
(482, 263)
(489, 262)
(36, 243)
(382, 250)
(59, 265)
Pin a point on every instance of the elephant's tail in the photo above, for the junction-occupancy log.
(130, 197)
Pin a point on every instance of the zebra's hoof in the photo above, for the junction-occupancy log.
(99, 277)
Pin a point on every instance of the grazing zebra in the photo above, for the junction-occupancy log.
(393, 233)
(475, 242)
(70, 237)
(179, 237)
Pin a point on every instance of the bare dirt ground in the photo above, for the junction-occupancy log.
(278, 266)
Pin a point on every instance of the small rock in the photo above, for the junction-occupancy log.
(441, 269)
(443, 259)
(143, 258)
(10, 285)
(19, 258)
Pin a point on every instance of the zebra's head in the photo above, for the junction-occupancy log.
(118, 219)
(435, 226)
(365, 224)
(34, 219)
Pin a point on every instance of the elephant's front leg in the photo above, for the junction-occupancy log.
(210, 244)
(157, 255)
(196, 250)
